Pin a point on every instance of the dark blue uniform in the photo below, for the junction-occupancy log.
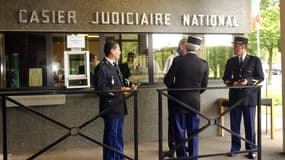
(108, 77)
(187, 71)
(251, 70)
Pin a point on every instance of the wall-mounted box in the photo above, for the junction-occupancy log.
(76, 69)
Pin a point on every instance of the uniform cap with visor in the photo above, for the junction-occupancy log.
(194, 40)
(240, 40)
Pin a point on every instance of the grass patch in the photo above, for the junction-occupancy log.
(276, 97)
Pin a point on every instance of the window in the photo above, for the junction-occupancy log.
(25, 56)
(37, 59)
(135, 57)
(215, 49)
(218, 49)
(59, 46)
(163, 46)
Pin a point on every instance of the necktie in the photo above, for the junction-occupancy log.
(240, 61)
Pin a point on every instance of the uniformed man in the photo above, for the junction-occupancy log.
(187, 71)
(107, 76)
(243, 70)
(180, 51)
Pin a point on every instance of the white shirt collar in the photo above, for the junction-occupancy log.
(243, 57)
(110, 60)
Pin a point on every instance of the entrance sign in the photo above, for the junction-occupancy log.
(75, 41)
(183, 16)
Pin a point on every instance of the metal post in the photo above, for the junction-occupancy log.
(259, 136)
(266, 126)
(160, 125)
(150, 59)
(4, 127)
(136, 125)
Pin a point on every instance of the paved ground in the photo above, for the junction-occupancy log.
(271, 150)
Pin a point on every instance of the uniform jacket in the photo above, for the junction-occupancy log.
(251, 69)
(108, 77)
(187, 71)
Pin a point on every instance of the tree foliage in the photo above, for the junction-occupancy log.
(269, 34)
(216, 58)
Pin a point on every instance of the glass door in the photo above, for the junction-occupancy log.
(2, 62)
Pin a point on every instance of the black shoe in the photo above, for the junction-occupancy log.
(251, 155)
(231, 155)
(168, 154)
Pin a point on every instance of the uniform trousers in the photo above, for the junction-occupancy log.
(171, 138)
(248, 113)
(186, 122)
(113, 137)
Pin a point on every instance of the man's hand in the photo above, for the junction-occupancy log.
(134, 86)
(240, 83)
(125, 89)
(129, 88)
(243, 82)
(236, 83)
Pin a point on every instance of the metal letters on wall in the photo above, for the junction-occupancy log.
(183, 16)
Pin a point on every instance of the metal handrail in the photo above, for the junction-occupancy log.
(6, 94)
(211, 121)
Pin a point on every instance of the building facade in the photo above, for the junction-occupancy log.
(33, 39)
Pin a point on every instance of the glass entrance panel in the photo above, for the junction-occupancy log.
(76, 64)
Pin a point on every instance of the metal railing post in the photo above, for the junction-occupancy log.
(4, 127)
(259, 135)
(136, 125)
(160, 125)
